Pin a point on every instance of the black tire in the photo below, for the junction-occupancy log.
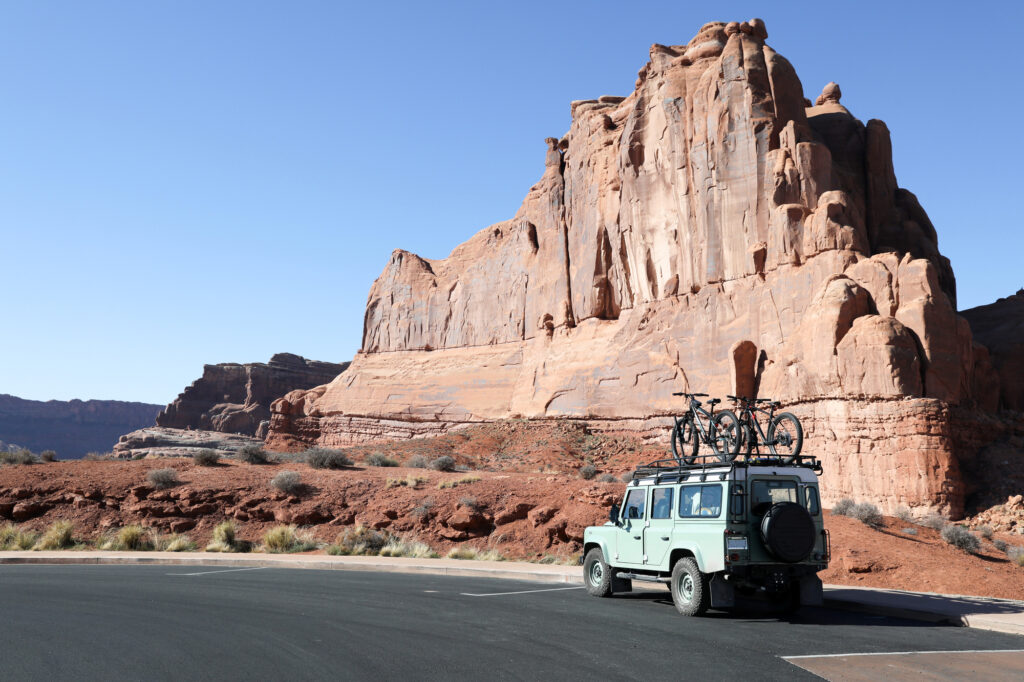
(786, 436)
(597, 574)
(749, 440)
(685, 440)
(728, 435)
(691, 590)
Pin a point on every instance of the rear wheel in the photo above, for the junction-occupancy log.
(728, 435)
(691, 592)
(685, 441)
(597, 574)
(786, 436)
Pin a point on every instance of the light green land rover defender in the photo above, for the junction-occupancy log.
(712, 530)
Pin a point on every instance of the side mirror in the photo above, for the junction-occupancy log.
(634, 513)
(613, 514)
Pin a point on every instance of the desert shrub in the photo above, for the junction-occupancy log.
(607, 478)
(163, 478)
(225, 538)
(1016, 555)
(48, 456)
(470, 503)
(443, 463)
(408, 547)
(961, 538)
(288, 482)
(985, 532)
(133, 538)
(324, 458)
(422, 510)
(286, 539)
(17, 457)
(58, 536)
(360, 541)
(206, 457)
(844, 507)
(92, 457)
(12, 538)
(253, 454)
(910, 531)
(178, 543)
(1000, 545)
(903, 513)
(933, 520)
(379, 459)
(867, 513)
(418, 462)
(588, 471)
(626, 477)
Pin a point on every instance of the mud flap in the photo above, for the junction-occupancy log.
(723, 594)
(811, 592)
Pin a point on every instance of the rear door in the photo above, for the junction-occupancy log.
(658, 532)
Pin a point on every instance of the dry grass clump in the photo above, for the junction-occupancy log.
(177, 543)
(455, 482)
(626, 477)
(443, 463)
(288, 482)
(961, 538)
(588, 471)
(379, 459)
(473, 554)
(409, 481)
(14, 538)
(607, 478)
(60, 535)
(408, 547)
(324, 458)
(360, 541)
(48, 456)
(206, 458)
(133, 538)
(253, 454)
(162, 479)
(225, 539)
(287, 539)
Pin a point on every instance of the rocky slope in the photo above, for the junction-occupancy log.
(236, 398)
(72, 428)
(713, 231)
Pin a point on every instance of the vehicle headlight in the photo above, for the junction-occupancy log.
(735, 543)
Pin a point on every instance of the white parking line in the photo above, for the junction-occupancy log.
(908, 653)
(499, 594)
(226, 570)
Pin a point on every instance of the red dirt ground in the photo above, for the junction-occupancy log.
(529, 503)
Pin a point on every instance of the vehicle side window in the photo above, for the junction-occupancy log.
(811, 500)
(661, 503)
(710, 500)
(635, 500)
(700, 500)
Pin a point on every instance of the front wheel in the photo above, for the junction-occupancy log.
(597, 574)
(691, 591)
(685, 441)
(786, 436)
(728, 435)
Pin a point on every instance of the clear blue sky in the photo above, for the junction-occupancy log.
(197, 182)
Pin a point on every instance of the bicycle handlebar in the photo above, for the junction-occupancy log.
(678, 394)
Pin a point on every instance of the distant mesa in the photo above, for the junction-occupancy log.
(72, 428)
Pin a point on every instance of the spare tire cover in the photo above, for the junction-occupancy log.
(788, 532)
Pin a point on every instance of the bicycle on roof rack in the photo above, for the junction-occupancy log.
(721, 432)
(785, 435)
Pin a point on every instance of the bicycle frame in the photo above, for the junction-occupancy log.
(696, 410)
(748, 415)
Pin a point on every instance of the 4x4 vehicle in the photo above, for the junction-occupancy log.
(712, 529)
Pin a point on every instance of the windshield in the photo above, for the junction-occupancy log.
(763, 494)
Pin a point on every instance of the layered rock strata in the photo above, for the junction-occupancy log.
(157, 441)
(713, 231)
(236, 398)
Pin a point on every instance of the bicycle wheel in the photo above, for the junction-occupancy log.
(786, 436)
(684, 439)
(728, 435)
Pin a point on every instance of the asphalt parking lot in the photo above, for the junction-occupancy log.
(212, 623)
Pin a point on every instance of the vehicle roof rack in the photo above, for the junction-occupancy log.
(675, 470)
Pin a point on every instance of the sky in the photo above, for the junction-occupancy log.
(184, 183)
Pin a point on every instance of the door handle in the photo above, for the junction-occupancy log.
(636, 537)
(664, 537)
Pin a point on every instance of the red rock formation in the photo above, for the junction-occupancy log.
(233, 398)
(706, 218)
(1000, 327)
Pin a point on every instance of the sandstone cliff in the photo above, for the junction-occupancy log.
(714, 231)
(236, 398)
(1000, 327)
(72, 428)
